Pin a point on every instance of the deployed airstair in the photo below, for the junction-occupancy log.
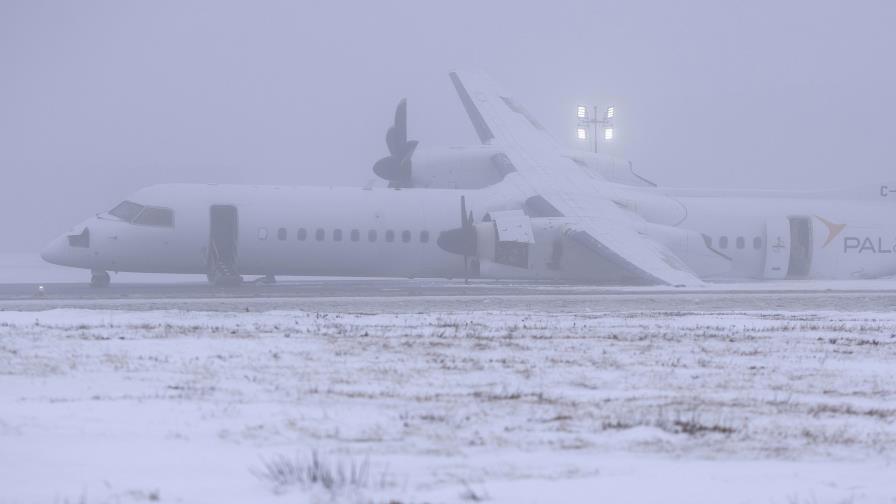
(222, 246)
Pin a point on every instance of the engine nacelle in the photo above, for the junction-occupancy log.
(515, 246)
(471, 167)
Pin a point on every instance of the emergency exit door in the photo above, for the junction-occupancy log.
(777, 248)
(788, 248)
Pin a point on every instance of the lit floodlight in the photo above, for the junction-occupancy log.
(608, 133)
(582, 112)
(611, 111)
(582, 133)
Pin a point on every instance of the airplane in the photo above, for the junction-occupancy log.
(517, 206)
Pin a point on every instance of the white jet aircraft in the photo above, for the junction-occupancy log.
(527, 210)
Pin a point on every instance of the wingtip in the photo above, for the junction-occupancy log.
(479, 124)
(466, 73)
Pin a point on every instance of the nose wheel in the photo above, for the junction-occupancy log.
(99, 278)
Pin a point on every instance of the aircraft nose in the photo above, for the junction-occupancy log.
(54, 252)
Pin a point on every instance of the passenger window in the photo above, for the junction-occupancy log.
(319, 234)
(424, 236)
(262, 233)
(126, 210)
(302, 234)
(356, 235)
(371, 235)
(723, 242)
(150, 216)
(740, 242)
(757, 243)
(405, 236)
(390, 236)
(281, 234)
(337, 235)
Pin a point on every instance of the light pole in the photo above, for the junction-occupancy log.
(594, 122)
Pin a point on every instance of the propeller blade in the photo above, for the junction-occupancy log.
(465, 226)
(397, 135)
(396, 168)
(401, 121)
(462, 240)
(406, 159)
(388, 168)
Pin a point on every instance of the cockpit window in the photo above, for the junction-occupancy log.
(126, 210)
(152, 216)
(143, 215)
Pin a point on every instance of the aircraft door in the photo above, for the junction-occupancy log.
(222, 244)
(777, 248)
(800, 247)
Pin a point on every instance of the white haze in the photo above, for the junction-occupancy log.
(98, 99)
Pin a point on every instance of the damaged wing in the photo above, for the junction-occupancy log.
(574, 192)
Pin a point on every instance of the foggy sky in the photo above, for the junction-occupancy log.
(98, 99)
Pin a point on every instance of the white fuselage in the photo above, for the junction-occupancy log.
(846, 238)
(385, 232)
(280, 231)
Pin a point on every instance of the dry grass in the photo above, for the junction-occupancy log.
(314, 471)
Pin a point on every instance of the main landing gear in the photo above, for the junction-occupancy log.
(99, 278)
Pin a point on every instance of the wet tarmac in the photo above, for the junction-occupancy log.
(421, 295)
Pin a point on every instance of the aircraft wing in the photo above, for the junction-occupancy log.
(599, 224)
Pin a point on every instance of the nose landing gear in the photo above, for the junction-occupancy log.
(99, 278)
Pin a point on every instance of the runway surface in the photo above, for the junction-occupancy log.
(394, 295)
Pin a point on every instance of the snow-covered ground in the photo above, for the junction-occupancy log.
(662, 407)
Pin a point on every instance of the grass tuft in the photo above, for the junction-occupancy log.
(317, 472)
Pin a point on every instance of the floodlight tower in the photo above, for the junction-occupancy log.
(594, 122)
